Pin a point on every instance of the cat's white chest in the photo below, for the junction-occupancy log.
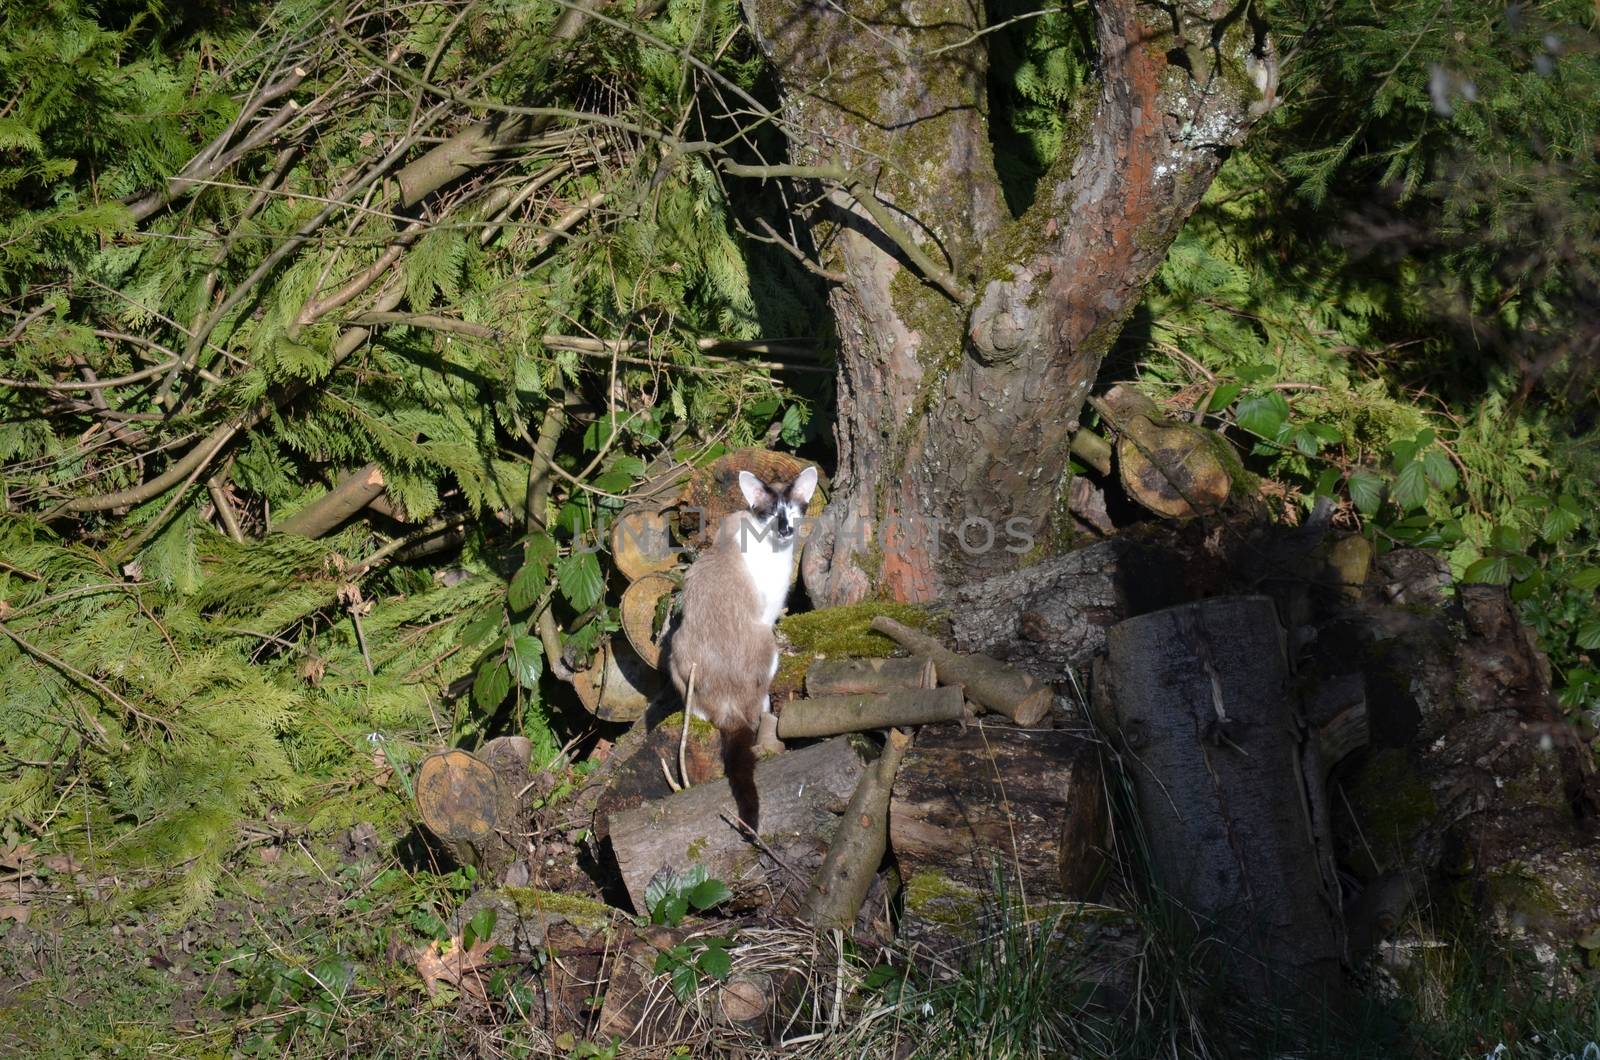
(770, 568)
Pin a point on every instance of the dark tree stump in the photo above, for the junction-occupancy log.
(989, 800)
(1229, 786)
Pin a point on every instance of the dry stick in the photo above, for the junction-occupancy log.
(211, 161)
(271, 261)
(988, 682)
(539, 483)
(857, 188)
(479, 143)
(600, 347)
(219, 501)
(353, 493)
(159, 523)
(846, 873)
(831, 715)
(203, 451)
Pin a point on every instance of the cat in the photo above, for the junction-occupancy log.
(732, 595)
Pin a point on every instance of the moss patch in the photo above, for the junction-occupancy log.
(943, 901)
(840, 633)
(584, 913)
(1393, 804)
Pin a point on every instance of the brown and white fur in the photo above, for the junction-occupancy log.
(732, 594)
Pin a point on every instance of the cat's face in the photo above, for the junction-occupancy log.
(776, 508)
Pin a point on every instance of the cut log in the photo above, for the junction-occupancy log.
(644, 610)
(993, 807)
(470, 801)
(988, 682)
(849, 677)
(641, 543)
(1172, 469)
(618, 685)
(641, 775)
(802, 793)
(852, 861)
(1229, 787)
(831, 715)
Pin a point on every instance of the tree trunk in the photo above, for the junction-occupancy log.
(967, 354)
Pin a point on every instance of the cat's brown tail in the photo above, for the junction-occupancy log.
(739, 763)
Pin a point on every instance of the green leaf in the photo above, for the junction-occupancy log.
(1506, 539)
(1223, 396)
(715, 962)
(1589, 635)
(1327, 482)
(597, 434)
(1262, 414)
(492, 685)
(527, 654)
(1586, 580)
(1490, 570)
(481, 926)
(580, 579)
(1326, 433)
(1410, 486)
(1561, 520)
(526, 586)
(709, 893)
(684, 981)
(539, 551)
(1527, 587)
(480, 628)
(1441, 472)
(1366, 491)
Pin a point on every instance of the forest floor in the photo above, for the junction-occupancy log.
(312, 952)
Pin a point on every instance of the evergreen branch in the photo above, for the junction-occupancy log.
(858, 189)
(211, 160)
(347, 344)
(94, 682)
(353, 187)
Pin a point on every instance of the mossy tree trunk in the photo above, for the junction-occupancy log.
(961, 379)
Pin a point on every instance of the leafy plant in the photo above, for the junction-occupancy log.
(671, 895)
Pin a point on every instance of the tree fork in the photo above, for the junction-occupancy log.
(932, 397)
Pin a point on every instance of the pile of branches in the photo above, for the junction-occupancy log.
(312, 314)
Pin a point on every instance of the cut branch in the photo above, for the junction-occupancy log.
(846, 677)
(353, 493)
(988, 682)
(846, 873)
(830, 715)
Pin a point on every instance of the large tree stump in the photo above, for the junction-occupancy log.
(989, 818)
(1229, 786)
(802, 793)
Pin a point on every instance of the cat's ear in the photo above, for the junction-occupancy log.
(805, 484)
(753, 489)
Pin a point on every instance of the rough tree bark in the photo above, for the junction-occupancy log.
(959, 385)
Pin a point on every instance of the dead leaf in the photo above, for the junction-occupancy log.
(62, 863)
(17, 858)
(19, 913)
(455, 967)
(380, 762)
